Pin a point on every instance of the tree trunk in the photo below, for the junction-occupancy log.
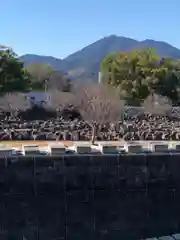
(93, 137)
(122, 117)
(10, 109)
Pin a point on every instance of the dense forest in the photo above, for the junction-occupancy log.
(140, 73)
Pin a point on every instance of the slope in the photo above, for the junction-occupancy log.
(84, 65)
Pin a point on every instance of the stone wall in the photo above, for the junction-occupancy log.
(90, 197)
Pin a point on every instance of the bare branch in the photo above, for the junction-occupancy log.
(157, 105)
(61, 100)
(13, 102)
(99, 103)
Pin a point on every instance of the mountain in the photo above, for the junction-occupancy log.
(32, 58)
(84, 64)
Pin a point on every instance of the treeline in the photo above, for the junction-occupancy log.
(14, 77)
(141, 73)
(133, 75)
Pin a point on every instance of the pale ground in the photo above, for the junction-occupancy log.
(70, 143)
(38, 143)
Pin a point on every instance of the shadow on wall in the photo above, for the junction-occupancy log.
(89, 197)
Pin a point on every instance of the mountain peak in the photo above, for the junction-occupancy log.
(88, 59)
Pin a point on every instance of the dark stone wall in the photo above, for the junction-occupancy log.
(90, 197)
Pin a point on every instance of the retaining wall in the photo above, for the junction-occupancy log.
(90, 197)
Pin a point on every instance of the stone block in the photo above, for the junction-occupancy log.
(133, 148)
(166, 238)
(121, 149)
(81, 148)
(176, 236)
(106, 148)
(5, 152)
(158, 147)
(175, 146)
(30, 150)
(56, 149)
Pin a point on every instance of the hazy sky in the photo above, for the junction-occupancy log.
(61, 27)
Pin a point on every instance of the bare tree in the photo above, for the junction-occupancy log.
(14, 101)
(157, 105)
(98, 104)
(60, 100)
(59, 81)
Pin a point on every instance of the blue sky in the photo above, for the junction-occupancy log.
(61, 27)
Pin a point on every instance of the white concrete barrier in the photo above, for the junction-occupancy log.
(106, 148)
(158, 147)
(56, 149)
(174, 146)
(166, 238)
(5, 152)
(31, 150)
(133, 147)
(170, 237)
(176, 236)
(81, 148)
